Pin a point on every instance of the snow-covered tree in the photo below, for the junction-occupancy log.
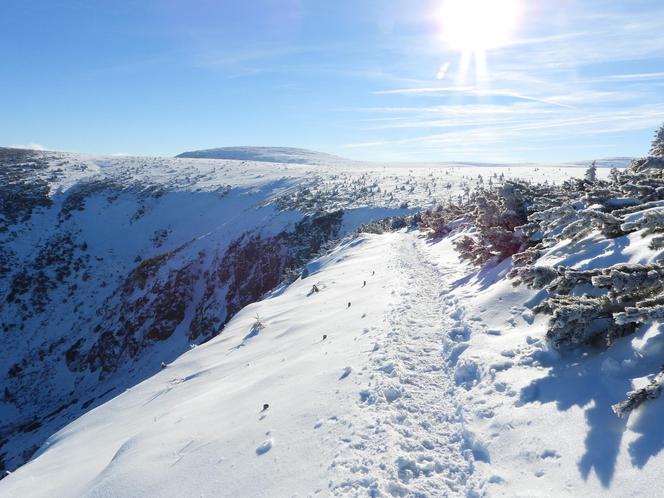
(582, 320)
(591, 173)
(657, 148)
(535, 277)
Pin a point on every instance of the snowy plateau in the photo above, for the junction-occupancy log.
(276, 323)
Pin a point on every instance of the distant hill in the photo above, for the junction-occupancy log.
(290, 155)
(293, 155)
(608, 162)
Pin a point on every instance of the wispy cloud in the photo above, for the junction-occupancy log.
(638, 76)
(468, 90)
(486, 131)
(584, 79)
(244, 55)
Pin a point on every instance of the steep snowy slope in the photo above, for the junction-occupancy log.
(351, 373)
(111, 266)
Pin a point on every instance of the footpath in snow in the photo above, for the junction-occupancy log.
(411, 439)
(359, 383)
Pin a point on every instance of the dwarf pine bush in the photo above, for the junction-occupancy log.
(595, 306)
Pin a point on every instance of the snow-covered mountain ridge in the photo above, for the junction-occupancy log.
(110, 266)
(293, 155)
(284, 155)
(187, 244)
(389, 370)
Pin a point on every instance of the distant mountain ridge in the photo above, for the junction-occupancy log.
(606, 162)
(294, 155)
(290, 155)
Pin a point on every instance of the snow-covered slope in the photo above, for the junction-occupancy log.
(285, 155)
(110, 267)
(543, 417)
(350, 371)
(390, 370)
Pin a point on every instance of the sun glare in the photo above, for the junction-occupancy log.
(475, 26)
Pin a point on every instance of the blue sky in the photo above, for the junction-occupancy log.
(367, 79)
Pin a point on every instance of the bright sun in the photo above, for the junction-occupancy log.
(475, 26)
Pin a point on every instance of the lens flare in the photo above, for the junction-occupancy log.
(479, 24)
(474, 27)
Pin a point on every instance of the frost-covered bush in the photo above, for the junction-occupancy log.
(439, 221)
(598, 306)
(582, 320)
(494, 213)
(637, 397)
(615, 299)
(535, 277)
(652, 221)
(591, 173)
(586, 306)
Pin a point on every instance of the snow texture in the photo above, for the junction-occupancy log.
(387, 368)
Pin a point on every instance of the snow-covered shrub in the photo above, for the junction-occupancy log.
(257, 326)
(591, 173)
(652, 221)
(495, 215)
(552, 220)
(582, 320)
(535, 277)
(627, 298)
(600, 305)
(657, 243)
(473, 250)
(640, 314)
(637, 397)
(527, 257)
(438, 221)
(587, 306)
(627, 281)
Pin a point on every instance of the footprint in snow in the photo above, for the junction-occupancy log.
(346, 372)
(549, 454)
(265, 446)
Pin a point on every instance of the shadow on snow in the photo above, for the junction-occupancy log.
(594, 381)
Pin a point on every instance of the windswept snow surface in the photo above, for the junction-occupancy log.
(369, 410)
(432, 380)
(110, 266)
